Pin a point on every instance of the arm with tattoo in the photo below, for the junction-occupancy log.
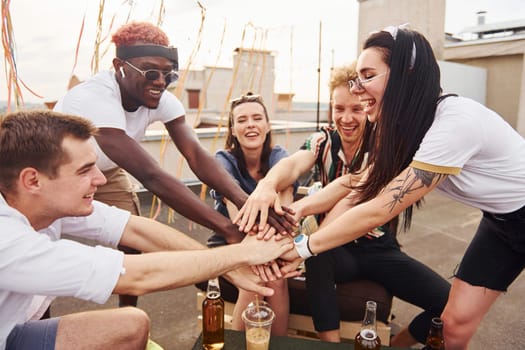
(410, 186)
(414, 180)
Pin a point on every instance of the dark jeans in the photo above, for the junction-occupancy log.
(381, 261)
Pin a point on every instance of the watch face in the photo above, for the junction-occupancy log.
(299, 238)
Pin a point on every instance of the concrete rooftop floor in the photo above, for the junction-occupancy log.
(440, 233)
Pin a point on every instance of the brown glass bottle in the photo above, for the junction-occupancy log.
(213, 317)
(435, 339)
(367, 338)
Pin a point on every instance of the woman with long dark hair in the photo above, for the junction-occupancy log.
(425, 140)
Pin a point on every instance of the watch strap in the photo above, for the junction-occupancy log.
(301, 246)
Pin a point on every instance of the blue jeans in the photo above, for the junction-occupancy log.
(33, 335)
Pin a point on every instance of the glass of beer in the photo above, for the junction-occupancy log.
(258, 318)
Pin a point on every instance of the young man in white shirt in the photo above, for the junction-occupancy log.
(48, 179)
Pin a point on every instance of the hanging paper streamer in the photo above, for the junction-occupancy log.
(13, 80)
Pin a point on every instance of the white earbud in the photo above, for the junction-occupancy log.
(122, 72)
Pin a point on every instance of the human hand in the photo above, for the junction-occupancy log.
(290, 268)
(244, 278)
(264, 205)
(266, 233)
(268, 272)
(257, 205)
(278, 269)
(290, 255)
(283, 224)
(275, 223)
(263, 251)
(234, 235)
(296, 210)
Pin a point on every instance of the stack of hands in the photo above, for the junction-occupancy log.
(263, 218)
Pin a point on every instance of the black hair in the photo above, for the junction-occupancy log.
(407, 110)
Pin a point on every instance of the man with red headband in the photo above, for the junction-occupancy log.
(122, 103)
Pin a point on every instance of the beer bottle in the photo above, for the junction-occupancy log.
(213, 317)
(367, 337)
(435, 339)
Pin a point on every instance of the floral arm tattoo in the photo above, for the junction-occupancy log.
(414, 180)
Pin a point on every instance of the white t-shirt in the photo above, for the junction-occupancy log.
(41, 263)
(98, 99)
(483, 155)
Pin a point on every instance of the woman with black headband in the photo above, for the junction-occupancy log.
(122, 104)
(426, 140)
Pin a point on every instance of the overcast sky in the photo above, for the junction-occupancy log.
(46, 34)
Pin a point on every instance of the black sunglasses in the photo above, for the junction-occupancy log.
(154, 74)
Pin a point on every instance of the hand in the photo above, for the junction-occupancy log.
(290, 255)
(261, 251)
(268, 272)
(296, 210)
(283, 224)
(257, 205)
(266, 233)
(234, 235)
(245, 279)
(291, 268)
(292, 225)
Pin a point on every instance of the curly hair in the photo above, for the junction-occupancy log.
(139, 32)
(341, 75)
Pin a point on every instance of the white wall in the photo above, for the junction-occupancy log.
(464, 80)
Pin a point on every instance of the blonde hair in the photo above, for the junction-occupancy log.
(341, 75)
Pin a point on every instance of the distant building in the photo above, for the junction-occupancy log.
(207, 91)
(212, 88)
(284, 101)
(499, 48)
(425, 16)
